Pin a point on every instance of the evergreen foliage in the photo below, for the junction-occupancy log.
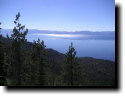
(38, 57)
(71, 70)
(16, 52)
(2, 65)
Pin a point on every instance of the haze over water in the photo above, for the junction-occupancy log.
(102, 49)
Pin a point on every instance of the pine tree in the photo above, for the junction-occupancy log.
(18, 39)
(38, 57)
(2, 65)
(51, 74)
(70, 74)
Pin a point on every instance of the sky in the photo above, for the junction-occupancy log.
(60, 15)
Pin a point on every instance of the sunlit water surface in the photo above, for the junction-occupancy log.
(102, 49)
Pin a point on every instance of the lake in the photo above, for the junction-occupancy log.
(102, 49)
(86, 45)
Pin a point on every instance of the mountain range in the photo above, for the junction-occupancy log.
(99, 35)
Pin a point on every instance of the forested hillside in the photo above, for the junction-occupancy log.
(24, 63)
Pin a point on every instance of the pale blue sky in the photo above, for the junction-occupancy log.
(60, 15)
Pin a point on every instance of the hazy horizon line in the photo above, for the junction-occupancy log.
(65, 30)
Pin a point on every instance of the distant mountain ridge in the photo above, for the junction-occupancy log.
(62, 32)
(99, 35)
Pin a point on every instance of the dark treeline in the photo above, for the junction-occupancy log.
(21, 66)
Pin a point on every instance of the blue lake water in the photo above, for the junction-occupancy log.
(97, 48)
(102, 49)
